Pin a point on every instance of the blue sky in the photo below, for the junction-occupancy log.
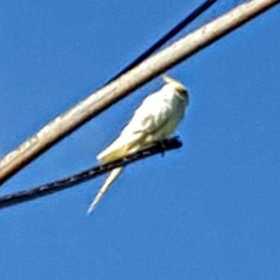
(207, 211)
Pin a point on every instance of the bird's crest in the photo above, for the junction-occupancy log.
(179, 86)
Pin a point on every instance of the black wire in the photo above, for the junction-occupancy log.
(165, 38)
(67, 182)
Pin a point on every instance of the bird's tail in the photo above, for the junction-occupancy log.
(105, 187)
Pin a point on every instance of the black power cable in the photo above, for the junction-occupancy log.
(165, 38)
(68, 182)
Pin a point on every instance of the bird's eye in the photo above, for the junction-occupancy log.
(182, 91)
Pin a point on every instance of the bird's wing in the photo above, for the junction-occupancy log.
(151, 116)
(119, 148)
(153, 123)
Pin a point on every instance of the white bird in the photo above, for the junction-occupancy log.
(154, 120)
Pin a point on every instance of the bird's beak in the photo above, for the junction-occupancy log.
(182, 90)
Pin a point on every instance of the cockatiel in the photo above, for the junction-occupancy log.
(154, 120)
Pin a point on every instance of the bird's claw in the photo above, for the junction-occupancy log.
(162, 145)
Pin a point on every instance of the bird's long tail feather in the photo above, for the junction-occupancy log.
(105, 187)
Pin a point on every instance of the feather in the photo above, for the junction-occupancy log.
(115, 173)
(121, 147)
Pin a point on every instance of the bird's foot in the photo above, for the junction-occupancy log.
(162, 145)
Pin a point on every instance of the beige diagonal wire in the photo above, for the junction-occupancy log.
(114, 91)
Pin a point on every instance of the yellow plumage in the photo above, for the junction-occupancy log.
(155, 119)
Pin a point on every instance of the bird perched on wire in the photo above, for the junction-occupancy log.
(155, 120)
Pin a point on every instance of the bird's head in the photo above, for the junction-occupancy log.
(179, 87)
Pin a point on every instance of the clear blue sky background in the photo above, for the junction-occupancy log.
(207, 211)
